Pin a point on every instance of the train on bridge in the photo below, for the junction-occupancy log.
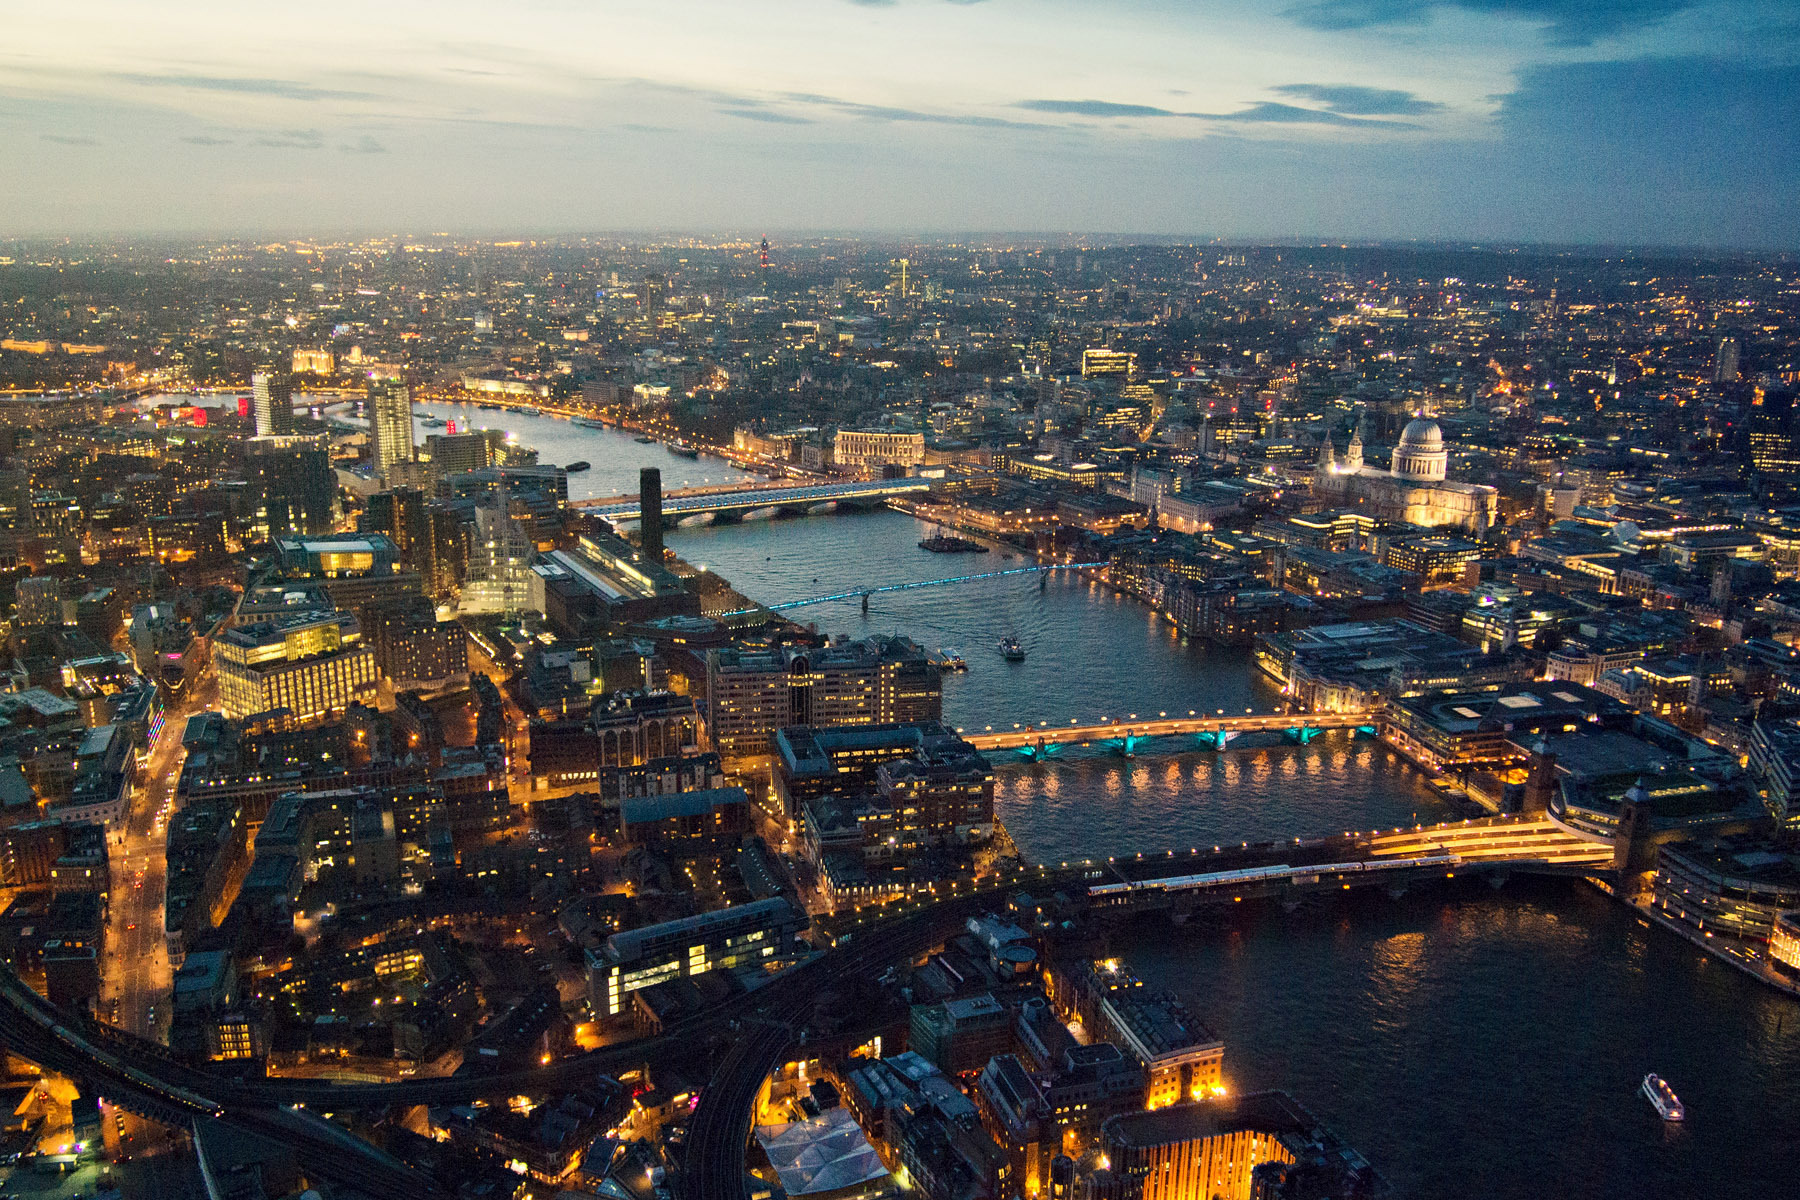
(1114, 893)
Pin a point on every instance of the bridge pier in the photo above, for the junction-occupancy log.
(1124, 747)
(1302, 735)
(1497, 879)
(1364, 731)
(1216, 739)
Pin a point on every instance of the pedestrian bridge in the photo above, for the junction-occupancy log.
(1123, 735)
(691, 502)
(1496, 845)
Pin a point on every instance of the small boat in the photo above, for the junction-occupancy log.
(435, 422)
(1011, 650)
(585, 423)
(682, 450)
(950, 660)
(582, 465)
(644, 439)
(1656, 1089)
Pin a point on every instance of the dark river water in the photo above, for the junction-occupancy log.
(1475, 1043)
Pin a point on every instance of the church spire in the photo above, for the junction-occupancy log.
(1353, 454)
(1327, 457)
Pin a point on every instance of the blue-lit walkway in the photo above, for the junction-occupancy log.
(920, 583)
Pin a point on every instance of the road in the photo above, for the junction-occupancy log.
(138, 978)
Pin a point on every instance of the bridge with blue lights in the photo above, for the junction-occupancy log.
(1041, 570)
(1212, 731)
(736, 501)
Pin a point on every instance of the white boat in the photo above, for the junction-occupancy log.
(1656, 1089)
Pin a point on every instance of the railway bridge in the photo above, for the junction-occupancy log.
(1393, 860)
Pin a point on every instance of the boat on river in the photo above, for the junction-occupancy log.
(580, 465)
(1662, 1098)
(1011, 650)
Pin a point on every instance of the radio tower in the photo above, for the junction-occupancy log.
(763, 257)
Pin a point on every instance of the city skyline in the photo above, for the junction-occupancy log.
(1646, 122)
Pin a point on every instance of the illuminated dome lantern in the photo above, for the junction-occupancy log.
(1420, 457)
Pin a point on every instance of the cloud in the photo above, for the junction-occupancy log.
(1568, 22)
(638, 127)
(1095, 108)
(201, 139)
(882, 112)
(291, 139)
(279, 88)
(767, 116)
(1267, 112)
(1360, 101)
(64, 139)
(363, 145)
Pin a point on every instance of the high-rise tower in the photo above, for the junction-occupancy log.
(650, 525)
(272, 397)
(1725, 362)
(390, 423)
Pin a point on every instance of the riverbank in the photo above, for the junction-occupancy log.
(1739, 952)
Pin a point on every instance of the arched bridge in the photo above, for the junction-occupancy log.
(690, 502)
(1214, 732)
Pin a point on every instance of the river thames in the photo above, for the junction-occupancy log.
(1473, 1043)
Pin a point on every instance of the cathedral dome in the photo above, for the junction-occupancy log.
(1420, 457)
(1422, 435)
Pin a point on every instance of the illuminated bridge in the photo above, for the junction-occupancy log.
(1494, 846)
(735, 501)
(1214, 732)
(1040, 570)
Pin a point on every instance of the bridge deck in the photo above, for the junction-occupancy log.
(690, 502)
(1113, 729)
(1499, 842)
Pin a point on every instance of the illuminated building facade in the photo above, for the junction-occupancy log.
(1784, 944)
(312, 665)
(312, 361)
(390, 424)
(741, 935)
(867, 450)
(500, 555)
(1415, 491)
(1181, 1057)
(1225, 1150)
(272, 401)
(1100, 362)
(880, 681)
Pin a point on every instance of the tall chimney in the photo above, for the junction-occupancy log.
(650, 502)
